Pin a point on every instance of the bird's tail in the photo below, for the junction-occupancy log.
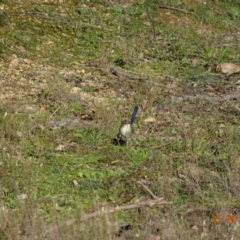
(134, 114)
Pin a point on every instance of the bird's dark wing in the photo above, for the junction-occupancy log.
(134, 114)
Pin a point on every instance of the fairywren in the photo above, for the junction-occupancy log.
(125, 129)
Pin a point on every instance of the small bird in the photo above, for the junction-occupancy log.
(125, 129)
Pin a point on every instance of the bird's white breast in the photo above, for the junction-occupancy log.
(125, 130)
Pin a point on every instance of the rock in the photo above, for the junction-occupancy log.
(28, 109)
(22, 196)
(75, 90)
(228, 68)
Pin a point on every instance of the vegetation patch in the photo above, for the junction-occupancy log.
(71, 72)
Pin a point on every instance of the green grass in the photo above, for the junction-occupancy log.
(189, 156)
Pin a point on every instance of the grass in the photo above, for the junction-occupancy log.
(58, 161)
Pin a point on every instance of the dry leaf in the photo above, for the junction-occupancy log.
(214, 174)
(75, 183)
(150, 120)
(60, 148)
(172, 84)
(228, 68)
(237, 161)
(230, 218)
(194, 227)
(86, 117)
(215, 218)
(147, 23)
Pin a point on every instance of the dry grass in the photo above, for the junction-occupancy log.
(61, 107)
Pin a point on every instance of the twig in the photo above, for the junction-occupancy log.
(174, 8)
(53, 114)
(117, 71)
(104, 211)
(232, 25)
(148, 190)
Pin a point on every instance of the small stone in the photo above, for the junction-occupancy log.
(75, 183)
(27, 61)
(19, 133)
(75, 90)
(14, 63)
(60, 148)
(22, 196)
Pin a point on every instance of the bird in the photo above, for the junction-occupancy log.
(125, 129)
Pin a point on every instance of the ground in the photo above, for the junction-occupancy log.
(71, 71)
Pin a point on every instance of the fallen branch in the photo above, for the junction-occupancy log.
(117, 71)
(103, 211)
(228, 98)
(232, 96)
(148, 190)
(174, 8)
